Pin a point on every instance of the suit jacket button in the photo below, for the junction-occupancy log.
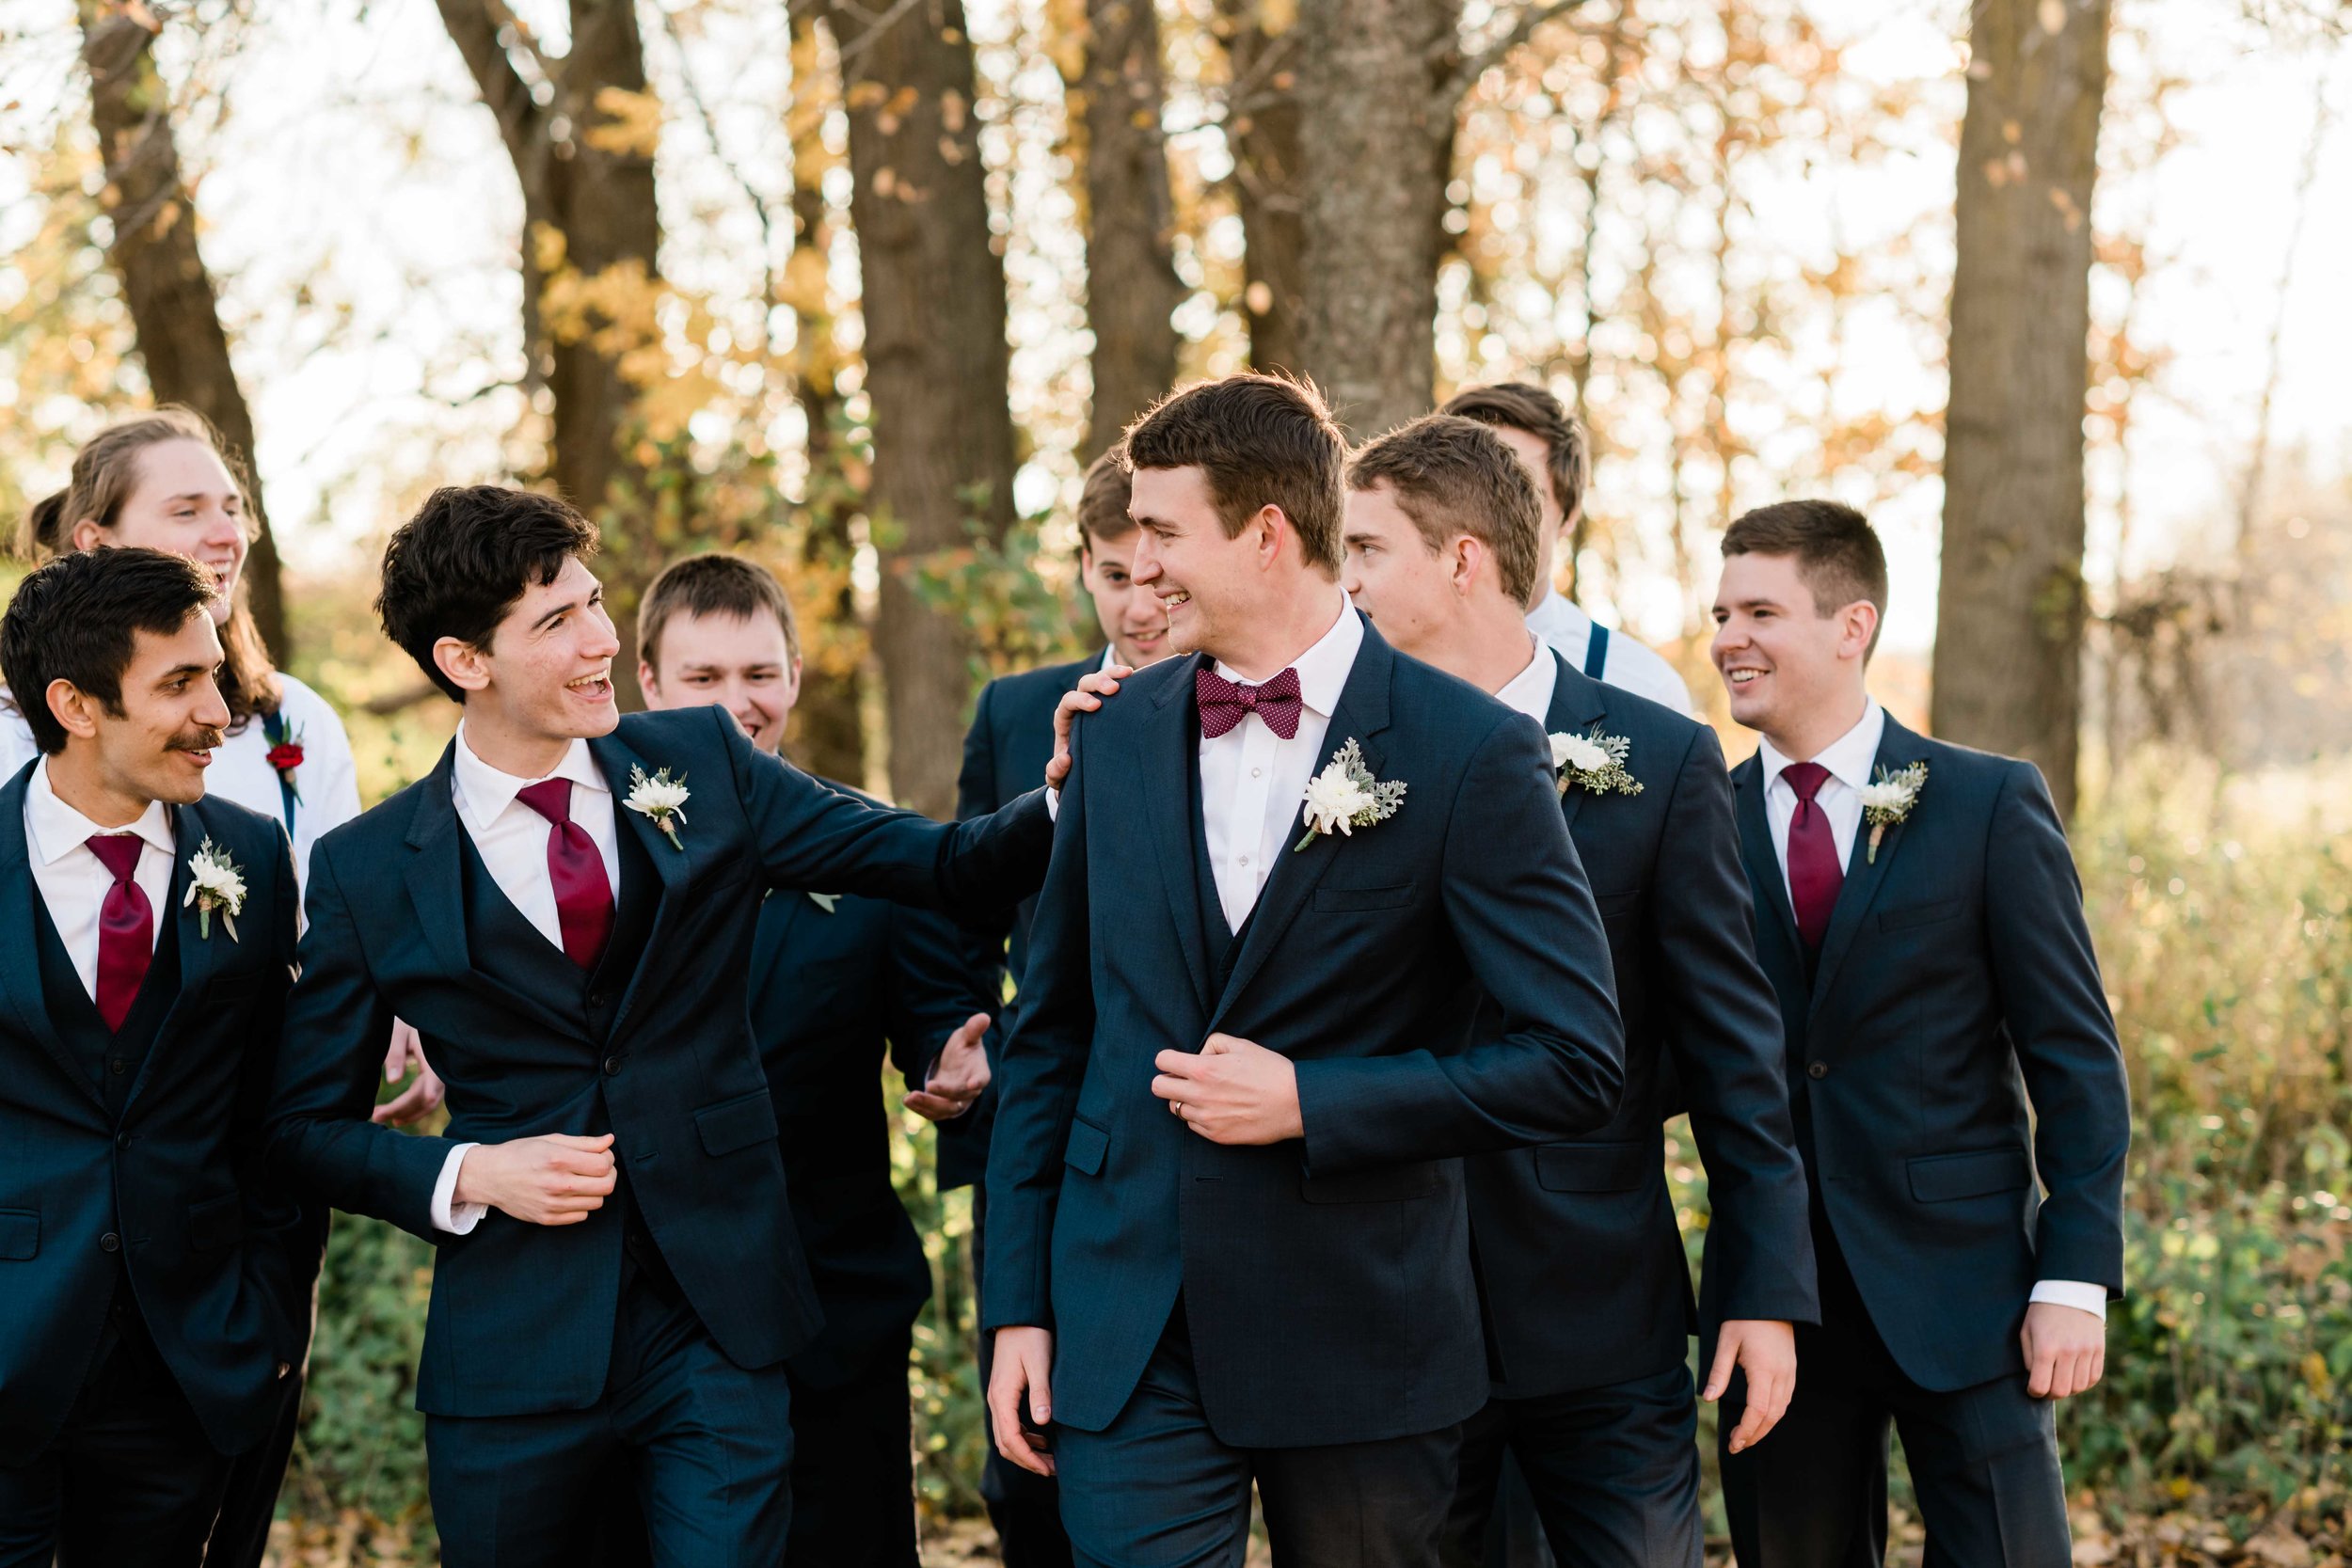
(1816, 1069)
(122, 1140)
(110, 1242)
(612, 1067)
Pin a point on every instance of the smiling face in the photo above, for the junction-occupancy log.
(741, 662)
(156, 742)
(1393, 576)
(1134, 622)
(1789, 664)
(185, 502)
(1209, 585)
(546, 676)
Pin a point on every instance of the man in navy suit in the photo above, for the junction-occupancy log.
(1229, 1233)
(838, 982)
(1958, 1089)
(1587, 1295)
(1012, 739)
(154, 1288)
(565, 910)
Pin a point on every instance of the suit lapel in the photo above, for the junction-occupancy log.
(435, 881)
(1865, 874)
(21, 989)
(670, 863)
(1360, 715)
(1763, 860)
(1170, 763)
(1577, 704)
(200, 954)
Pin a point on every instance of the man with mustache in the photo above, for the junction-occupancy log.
(155, 1287)
(1587, 1294)
(1229, 1234)
(1011, 740)
(566, 909)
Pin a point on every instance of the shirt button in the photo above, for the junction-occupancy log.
(1816, 1069)
(110, 1242)
(1245, 860)
(1257, 772)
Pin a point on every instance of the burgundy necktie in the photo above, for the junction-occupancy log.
(1814, 874)
(583, 898)
(126, 928)
(1224, 702)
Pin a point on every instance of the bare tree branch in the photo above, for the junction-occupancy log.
(476, 27)
(1470, 68)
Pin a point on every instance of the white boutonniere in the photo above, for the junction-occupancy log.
(1594, 762)
(825, 901)
(215, 883)
(659, 800)
(1889, 801)
(1344, 796)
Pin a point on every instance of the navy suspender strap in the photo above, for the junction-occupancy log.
(1597, 651)
(276, 731)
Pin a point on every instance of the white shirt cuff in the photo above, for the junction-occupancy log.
(2074, 1294)
(449, 1214)
(1053, 804)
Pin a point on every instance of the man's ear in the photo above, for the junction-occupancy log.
(647, 682)
(72, 707)
(1272, 523)
(1468, 554)
(466, 666)
(1860, 630)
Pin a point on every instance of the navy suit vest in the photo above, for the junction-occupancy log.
(113, 1059)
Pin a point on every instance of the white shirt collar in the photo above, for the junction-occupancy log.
(1323, 667)
(1529, 691)
(1847, 758)
(484, 792)
(1555, 616)
(57, 829)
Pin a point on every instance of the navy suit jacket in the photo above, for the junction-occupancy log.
(1955, 986)
(1004, 753)
(171, 1193)
(831, 992)
(1327, 1281)
(1578, 1248)
(521, 1315)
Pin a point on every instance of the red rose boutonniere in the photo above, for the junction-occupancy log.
(285, 757)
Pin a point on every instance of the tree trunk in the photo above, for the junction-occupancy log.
(1132, 287)
(828, 736)
(588, 209)
(1262, 131)
(174, 309)
(2009, 610)
(1377, 86)
(934, 290)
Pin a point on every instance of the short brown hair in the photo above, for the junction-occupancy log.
(1838, 555)
(1260, 440)
(78, 619)
(466, 559)
(1103, 497)
(715, 584)
(1523, 405)
(1453, 476)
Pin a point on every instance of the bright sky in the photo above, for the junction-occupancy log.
(351, 176)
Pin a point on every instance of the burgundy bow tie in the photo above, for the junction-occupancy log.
(1223, 703)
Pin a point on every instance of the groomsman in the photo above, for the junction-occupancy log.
(1587, 1295)
(154, 1288)
(838, 981)
(1551, 444)
(566, 909)
(1228, 1235)
(1010, 740)
(1959, 1093)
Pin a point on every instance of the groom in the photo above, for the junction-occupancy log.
(1228, 1242)
(565, 908)
(154, 1288)
(1957, 1087)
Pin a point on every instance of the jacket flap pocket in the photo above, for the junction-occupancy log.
(736, 1123)
(1380, 1184)
(1940, 1178)
(20, 1233)
(1338, 900)
(216, 1222)
(1918, 914)
(1589, 1167)
(1614, 904)
(1086, 1147)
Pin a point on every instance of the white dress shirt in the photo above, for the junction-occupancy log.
(1849, 759)
(1253, 782)
(73, 881)
(1631, 665)
(241, 774)
(1530, 692)
(512, 840)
